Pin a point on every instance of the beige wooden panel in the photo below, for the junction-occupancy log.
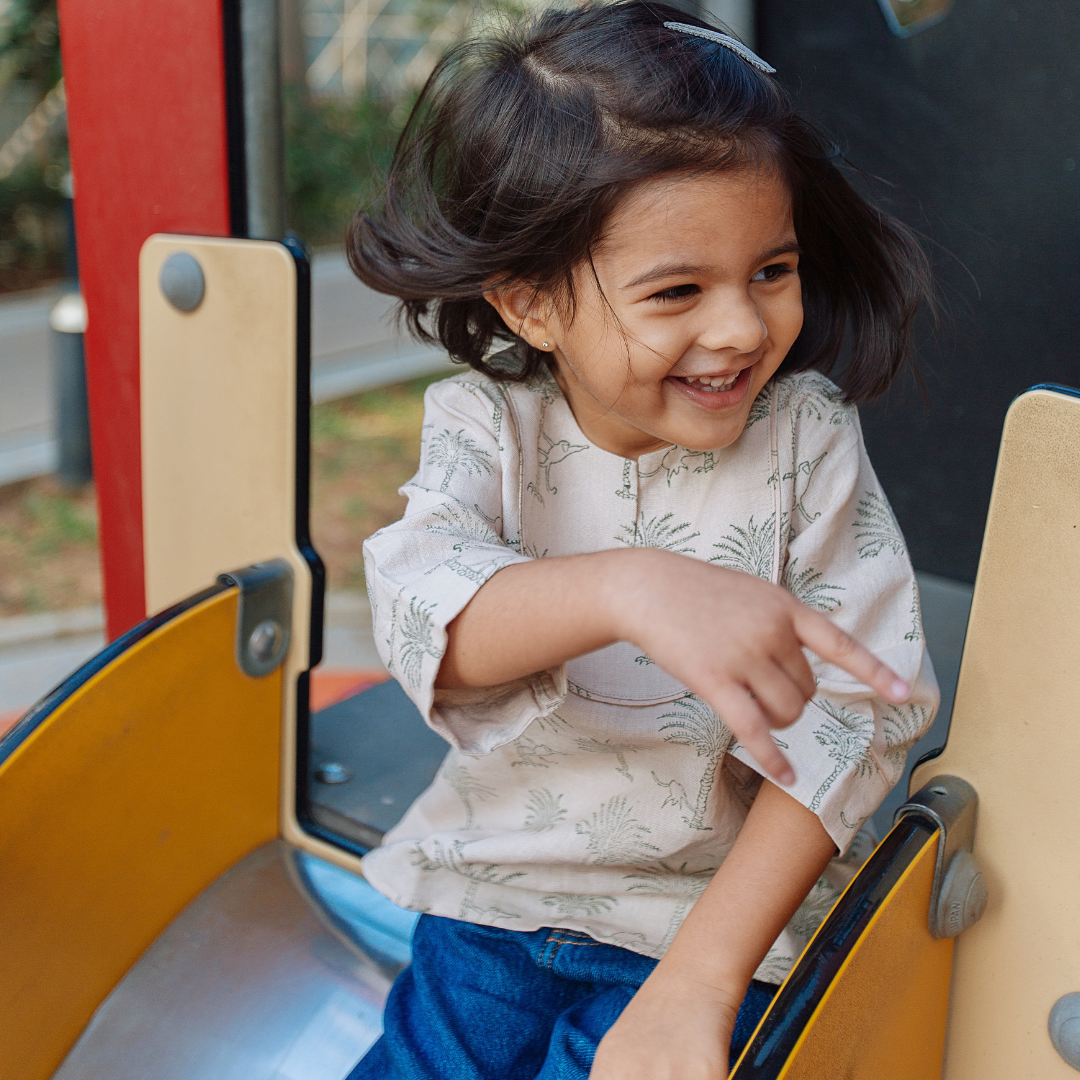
(219, 421)
(219, 444)
(1015, 736)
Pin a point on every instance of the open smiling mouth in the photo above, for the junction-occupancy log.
(721, 389)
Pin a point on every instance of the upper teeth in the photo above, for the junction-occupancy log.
(717, 382)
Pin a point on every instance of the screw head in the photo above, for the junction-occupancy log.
(182, 281)
(332, 773)
(265, 640)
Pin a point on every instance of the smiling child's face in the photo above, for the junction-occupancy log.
(701, 275)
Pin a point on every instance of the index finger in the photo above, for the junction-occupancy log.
(831, 643)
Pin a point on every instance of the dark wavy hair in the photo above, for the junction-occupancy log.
(524, 140)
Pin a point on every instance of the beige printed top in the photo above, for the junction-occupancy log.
(603, 795)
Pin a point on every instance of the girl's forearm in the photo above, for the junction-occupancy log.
(781, 851)
(533, 616)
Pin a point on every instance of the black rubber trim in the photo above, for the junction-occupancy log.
(794, 1005)
(298, 250)
(56, 697)
(236, 158)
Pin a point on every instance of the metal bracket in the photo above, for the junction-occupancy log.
(263, 616)
(958, 900)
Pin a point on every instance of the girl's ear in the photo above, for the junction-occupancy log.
(525, 312)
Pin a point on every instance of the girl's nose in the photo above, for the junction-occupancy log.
(733, 322)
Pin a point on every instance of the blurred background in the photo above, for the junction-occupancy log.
(961, 116)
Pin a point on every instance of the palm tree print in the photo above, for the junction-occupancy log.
(847, 737)
(812, 911)
(878, 528)
(901, 725)
(695, 725)
(614, 835)
(415, 628)
(493, 394)
(749, 550)
(534, 755)
(452, 519)
(466, 787)
(805, 585)
(553, 723)
(620, 750)
(822, 402)
(543, 811)
(760, 409)
(681, 885)
(658, 532)
(453, 450)
(916, 631)
(573, 905)
(452, 860)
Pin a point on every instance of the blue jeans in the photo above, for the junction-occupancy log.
(484, 1003)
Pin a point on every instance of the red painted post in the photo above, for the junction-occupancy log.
(145, 83)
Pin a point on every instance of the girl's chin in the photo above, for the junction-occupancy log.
(714, 400)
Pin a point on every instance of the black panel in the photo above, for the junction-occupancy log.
(302, 506)
(234, 117)
(976, 123)
(390, 754)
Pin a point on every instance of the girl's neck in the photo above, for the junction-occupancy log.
(599, 423)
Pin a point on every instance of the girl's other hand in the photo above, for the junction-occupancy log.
(737, 642)
(673, 1029)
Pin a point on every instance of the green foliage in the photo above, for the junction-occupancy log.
(30, 48)
(32, 224)
(336, 155)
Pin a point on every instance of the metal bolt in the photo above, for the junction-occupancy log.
(332, 773)
(264, 640)
(1065, 1028)
(182, 281)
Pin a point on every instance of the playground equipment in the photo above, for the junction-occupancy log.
(176, 902)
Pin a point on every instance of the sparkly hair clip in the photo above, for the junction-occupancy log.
(728, 42)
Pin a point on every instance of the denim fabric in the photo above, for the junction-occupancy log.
(484, 1003)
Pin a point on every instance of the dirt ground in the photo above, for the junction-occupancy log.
(363, 449)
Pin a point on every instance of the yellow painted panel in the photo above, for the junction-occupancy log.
(130, 798)
(883, 1018)
(1015, 736)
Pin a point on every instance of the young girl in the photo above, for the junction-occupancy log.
(641, 536)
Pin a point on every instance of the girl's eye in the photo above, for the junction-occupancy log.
(676, 292)
(771, 273)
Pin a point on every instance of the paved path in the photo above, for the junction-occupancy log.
(354, 347)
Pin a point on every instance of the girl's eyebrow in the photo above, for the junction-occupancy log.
(665, 270)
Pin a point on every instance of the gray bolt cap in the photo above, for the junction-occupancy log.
(182, 281)
(1065, 1028)
(963, 896)
(264, 640)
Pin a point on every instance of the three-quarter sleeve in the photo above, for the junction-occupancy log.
(846, 557)
(424, 569)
